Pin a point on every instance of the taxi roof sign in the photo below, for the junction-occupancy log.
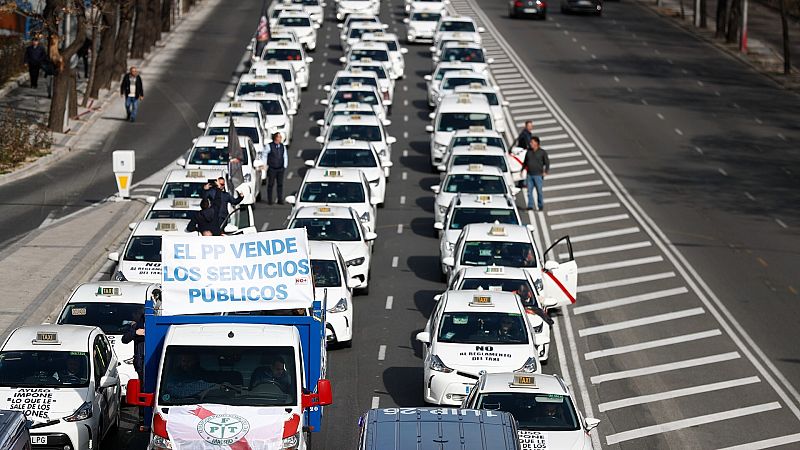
(484, 198)
(108, 291)
(475, 85)
(166, 226)
(349, 141)
(45, 338)
(235, 104)
(323, 210)
(221, 138)
(477, 128)
(481, 300)
(352, 105)
(180, 203)
(495, 270)
(355, 84)
(333, 173)
(194, 173)
(527, 381)
(497, 230)
(477, 146)
(367, 59)
(475, 168)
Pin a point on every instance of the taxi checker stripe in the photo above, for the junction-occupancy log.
(561, 286)
(203, 413)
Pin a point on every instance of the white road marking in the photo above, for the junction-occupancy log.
(562, 145)
(381, 353)
(782, 137)
(592, 221)
(571, 198)
(611, 249)
(581, 162)
(554, 137)
(526, 97)
(628, 300)
(517, 110)
(306, 134)
(265, 226)
(509, 69)
(651, 344)
(376, 402)
(616, 78)
(508, 91)
(399, 228)
(749, 196)
(642, 399)
(660, 368)
(405, 134)
(405, 118)
(395, 261)
(633, 323)
(563, 155)
(678, 132)
(722, 171)
(507, 76)
(620, 264)
(561, 187)
(299, 153)
(767, 443)
(405, 102)
(404, 175)
(583, 47)
(542, 122)
(405, 88)
(690, 422)
(781, 223)
(602, 234)
(290, 175)
(698, 150)
(402, 199)
(660, 116)
(405, 153)
(644, 102)
(389, 301)
(561, 212)
(625, 281)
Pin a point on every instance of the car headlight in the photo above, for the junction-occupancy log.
(435, 363)
(341, 306)
(82, 413)
(530, 366)
(292, 441)
(118, 276)
(538, 285)
(364, 217)
(355, 262)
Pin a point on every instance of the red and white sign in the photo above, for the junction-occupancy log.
(215, 427)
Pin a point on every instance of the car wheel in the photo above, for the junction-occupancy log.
(364, 291)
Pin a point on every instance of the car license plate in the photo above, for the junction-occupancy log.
(38, 440)
(530, 10)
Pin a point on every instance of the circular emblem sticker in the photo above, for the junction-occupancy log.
(223, 429)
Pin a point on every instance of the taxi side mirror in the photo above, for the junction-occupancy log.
(229, 94)
(320, 122)
(291, 199)
(391, 140)
(309, 59)
(403, 50)
(449, 261)
(481, 30)
(150, 199)
(386, 164)
(132, 225)
(323, 396)
(441, 167)
(353, 282)
(201, 125)
(230, 228)
(181, 162)
(424, 337)
(370, 236)
(429, 128)
(309, 163)
(590, 423)
(431, 116)
(326, 88)
(386, 122)
(435, 188)
(437, 297)
(428, 78)
(114, 256)
(134, 395)
(438, 226)
(406, 20)
(342, 59)
(320, 139)
(324, 102)
(292, 112)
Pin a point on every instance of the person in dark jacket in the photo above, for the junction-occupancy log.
(276, 158)
(135, 334)
(132, 90)
(537, 163)
(205, 221)
(220, 199)
(83, 54)
(525, 135)
(35, 58)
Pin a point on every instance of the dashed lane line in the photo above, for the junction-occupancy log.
(389, 301)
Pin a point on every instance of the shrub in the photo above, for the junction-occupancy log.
(21, 138)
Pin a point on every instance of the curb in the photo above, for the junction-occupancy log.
(13, 84)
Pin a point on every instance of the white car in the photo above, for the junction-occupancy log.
(352, 19)
(455, 78)
(456, 112)
(493, 96)
(348, 187)
(282, 34)
(276, 8)
(490, 138)
(341, 226)
(426, 5)
(465, 209)
(187, 183)
(240, 220)
(422, 25)
(542, 406)
(458, 24)
(384, 80)
(65, 379)
(396, 52)
(350, 109)
(356, 93)
(211, 152)
(434, 80)
(353, 154)
(294, 53)
(262, 83)
(470, 333)
(140, 259)
(302, 25)
(374, 51)
(357, 30)
(518, 281)
(478, 153)
(286, 70)
(330, 278)
(113, 306)
(277, 115)
(245, 127)
(345, 8)
(314, 8)
(235, 109)
(362, 128)
(358, 76)
(470, 54)
(475, 179)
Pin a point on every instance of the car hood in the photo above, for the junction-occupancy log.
(470, 358)
(451, 236)
(353, 4)
(334, 294)
(43, 404)
(423, 25)
(443, 137)
(351, 249)
(568, 440)
(276, 120)
(444, 198)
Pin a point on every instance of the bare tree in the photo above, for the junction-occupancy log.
(105, 54)
(787, 54)
(121, 47)
(139, 45)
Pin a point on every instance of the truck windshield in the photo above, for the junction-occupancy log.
(112, 318)
(482, 328)
(237, 376)
(35, 368)
(499, 253)
(534, 412)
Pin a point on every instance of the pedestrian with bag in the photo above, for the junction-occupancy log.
(525, 135)
(35, 59)
(537, 164)
(132, 90)
(276, 157)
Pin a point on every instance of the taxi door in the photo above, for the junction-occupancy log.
(106, 399)
(560, 278)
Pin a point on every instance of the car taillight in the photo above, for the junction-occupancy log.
(160, 426)
(541, 4)
(386, 95)
(518, 4)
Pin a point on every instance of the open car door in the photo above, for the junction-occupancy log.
(560, 277)
(514, 159)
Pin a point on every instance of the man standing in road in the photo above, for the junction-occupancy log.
(277, 160)
(133, 91)
(220, 199)
(35, 57)
(525, 135)
(538, 165)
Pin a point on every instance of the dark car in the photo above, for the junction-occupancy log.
(14, 431)
(582, 6)
(527, 8)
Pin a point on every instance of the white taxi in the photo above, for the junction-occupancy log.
(474, 332)
(375, 51)
(385, 82)
(352, 19)
(113, 306)
(345, 8)
(140, 259)
(475, 179)
(493, 96)
(211, 152)
(350, 109)
(348, 187)
(276, 8)
(341, 226)
(426, 5)
(542, 406)
(490, 138)
(294, 53)
(469, 53)
(64, 379)
(434, 80)
(314, 8)
(396, 52)
(235, 109)
(287, 71)
(302, 25)
(356, 93)
(277, 114)
(361, 128)
(463, 25)
(465, 209)
(358, 29)
(358, 76)
(479, 153)
(249, 127)
(330, 278)
(422, 25)
(353, 154)
(171, 208)
(456, 112)
(189, 183)
(455, 78)
(261, 82)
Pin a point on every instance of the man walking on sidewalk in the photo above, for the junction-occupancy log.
(133, 91)
(538, 165)
(35, 57)
(277, 160)
(525, 135)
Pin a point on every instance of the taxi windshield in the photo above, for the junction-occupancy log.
(294, 22)
(171, 213)
(498, 253)
(440, 73)
(534, 412)
(228, 375)
(112, 318)
(369, 81)
(454, 82)
(183, 189)
(283, 54)
(465, 216)
(375, 54)
(326, 273)
(250, 132)
(43, 368)
(328, 229)
(489, 141)
(269, 88)
(482, 327)
(425, 17)
(450, 25)
(144, 248)
(392, 44)
(498, 161)
(347, 112)
(286, 74)
(370, 133)
(208, 156)
(308, 2)
(367, 97)
(475, 184)
(340, 157)
(519, 287)
(462, 121)
(271, 107)
(333, 192)
(466, 54)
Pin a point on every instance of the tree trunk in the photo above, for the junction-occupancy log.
(93, 65)
(153, 22)
(166, 16)
(722, 12)
(787, 54)
(733, 21)
(139, 45)
(703, 14)
(72, 104)
(123, 39)
(52, 15)
(105, 55)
